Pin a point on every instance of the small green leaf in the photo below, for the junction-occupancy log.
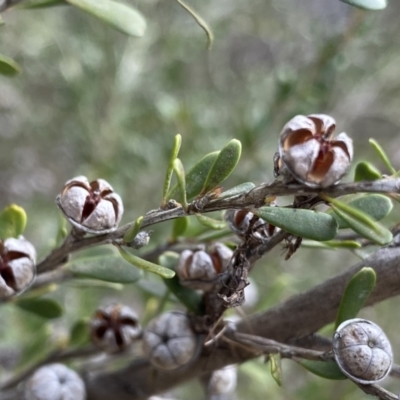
(79, 333)
(138, 262)
(276, 368)
(133, 230)
(365, 171)
(42, 307)
(324, 369)
(8, 66)
(180, 175)
(195, 177)
(190, 298)
(170, 169)
(211, 222)
(381, 153)
(343, 244)
(237, 190)
(121, 17)
(12, 221)
(179, 227)
(62, 231)
(356, 294)
(367, 4)
(305, 223)
(376, 206)
(105, 268)
(223, 166)
(361, 223)
(32, 4)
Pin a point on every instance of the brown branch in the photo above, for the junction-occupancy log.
(297, 317)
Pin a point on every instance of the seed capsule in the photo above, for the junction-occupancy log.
(55, 382)
(310, 153)
(199, 269)
(114, 328)
(17, 266)
(91, 207)
(223, 381)
(362, 351)
(169, 341)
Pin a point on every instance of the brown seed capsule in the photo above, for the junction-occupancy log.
(17, 266)
(55, 382)
(362, 351)
(199, 269)
(310, 153)
(169, 341)
(114, 328)
(91, 207)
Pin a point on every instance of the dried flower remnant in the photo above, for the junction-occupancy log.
(17, 266)
(200, 269)
(91, 207)
(311, 154)
(114, 328)
(362, 351)
(169, 341)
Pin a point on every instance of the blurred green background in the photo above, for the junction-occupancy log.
(91, 101)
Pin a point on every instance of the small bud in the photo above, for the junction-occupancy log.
(91, 207)
(17, 266)
(362, 351)
(310, 153)
(169, 341)
(114, 328)
(223, 381)
(199, 269)
(55, 382)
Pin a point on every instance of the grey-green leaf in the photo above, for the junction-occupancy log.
(138, 262)
(121, 17)
(355, 295)
(195, 177)
(180, 175)
(12, 221)
(170, 168)
(223, 166)
(131, 233)
(32, 4)
(305, 223)
(365, 171)
(324, 369)
(79, 334)
(179, 227)
(367, 4)
(382, 155)
(237, 190)
(42, 307)
(210, 222)
(376, 206)
(8, 66)
(105, 268)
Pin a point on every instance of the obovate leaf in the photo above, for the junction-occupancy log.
(276, 368)
(42, 307)
(211, 222)
(109, 268)
(190, 298)
(12, 221)
(170, 169)
(8, 66)
(32, 4)
(309, 224)
(138, 262)
(79, 333)
(361, 223)
(355, 295)
(367, 4)
(223, 166)
(121, 17)
(195, 177)
(179, 227)
(365, 171)
(376, 206)
(324, 369)
(382, 154)
(237, 190)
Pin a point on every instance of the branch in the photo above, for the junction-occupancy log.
(295, 318)
(254, 198)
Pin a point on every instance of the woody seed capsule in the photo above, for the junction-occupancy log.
(91, 207)
(313, 157)
(115, 327)
(17, 266)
